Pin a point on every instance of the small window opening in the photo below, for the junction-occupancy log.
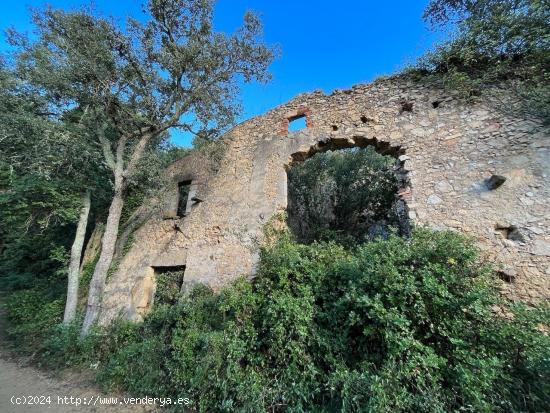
(183, 197)
(169, 281)
(297, 124)
(334, 128)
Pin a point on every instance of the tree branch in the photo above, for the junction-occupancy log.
(106, 146)
(119, 166)
(138, 153)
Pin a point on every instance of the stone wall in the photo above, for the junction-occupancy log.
(448, 149)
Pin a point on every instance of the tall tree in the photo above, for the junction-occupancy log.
(173, 71)
(48, 160)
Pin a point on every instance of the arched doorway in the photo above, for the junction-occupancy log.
(349, 190)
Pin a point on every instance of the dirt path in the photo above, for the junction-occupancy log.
(18, 382)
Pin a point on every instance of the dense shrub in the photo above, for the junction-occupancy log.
(393, 325)
(31, 315)
(168, 287)
(33, 312)
(347, 195)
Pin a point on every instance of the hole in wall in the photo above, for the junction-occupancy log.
(364, 119)
(297, 124)
(436, 104)
(511, 232)
(169, 281)
(334, 128)
(494, 182)
(406, 107)
(507, 274)
(346, 193)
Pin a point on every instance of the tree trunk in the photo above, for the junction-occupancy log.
(97, 283)
(74, 265)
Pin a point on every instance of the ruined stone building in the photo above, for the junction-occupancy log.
(450, 151)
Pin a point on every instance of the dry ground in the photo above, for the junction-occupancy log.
(19, 379)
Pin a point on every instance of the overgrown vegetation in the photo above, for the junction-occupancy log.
(494, 43)
(392, 325)
(126, 86)
(346, 195)
(168, 288)
(345, 321)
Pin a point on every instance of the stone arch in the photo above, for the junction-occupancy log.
(339, 142)
(336, 142)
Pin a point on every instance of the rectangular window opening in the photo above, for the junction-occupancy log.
(297, 123)
(184, 189)
(169, 281)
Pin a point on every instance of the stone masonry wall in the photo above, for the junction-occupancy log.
(448, 148)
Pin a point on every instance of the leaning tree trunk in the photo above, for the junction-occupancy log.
(74, 265)
(97, 284)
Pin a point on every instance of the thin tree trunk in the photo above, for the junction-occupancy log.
(74, 265)
(108, 243)
(97, 284)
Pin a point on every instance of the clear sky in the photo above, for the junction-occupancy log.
(325, 44)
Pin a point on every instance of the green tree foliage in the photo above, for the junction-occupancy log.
(45, 163)
(394, 325)
(35, 217)
(46, 159)
(173, 71)
(494, 41)
(346, 195)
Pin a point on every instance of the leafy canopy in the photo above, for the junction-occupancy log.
(494, 41)
(143, 79)
(45, 163)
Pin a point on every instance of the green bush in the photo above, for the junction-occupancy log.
(31, 315)
(63, 346)
(168, 287)
(393, 325)
(346, 195)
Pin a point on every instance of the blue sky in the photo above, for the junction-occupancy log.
(325, 44)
